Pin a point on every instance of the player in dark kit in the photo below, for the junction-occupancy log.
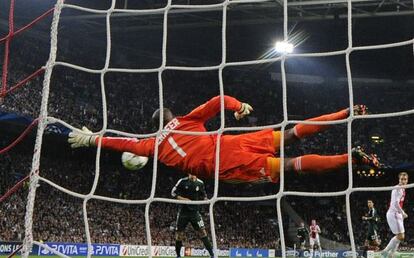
(301, 235)
(190, 188)
(372, 241)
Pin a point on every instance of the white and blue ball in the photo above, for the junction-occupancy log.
(132, 161)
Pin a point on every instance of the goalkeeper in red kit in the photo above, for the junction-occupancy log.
(248, 157)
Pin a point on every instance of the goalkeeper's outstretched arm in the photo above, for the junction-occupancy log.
(143, 147)
(212, 107)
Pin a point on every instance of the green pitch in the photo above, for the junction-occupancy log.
(52, 256)
(55, 256)
(398, 255)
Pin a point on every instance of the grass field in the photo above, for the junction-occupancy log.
(55, 256)
(401, 255)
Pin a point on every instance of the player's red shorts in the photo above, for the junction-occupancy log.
(243, 158)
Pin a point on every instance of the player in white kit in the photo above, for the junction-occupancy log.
(396, 216)
(314, 231)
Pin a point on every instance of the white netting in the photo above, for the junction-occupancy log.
(45, 119)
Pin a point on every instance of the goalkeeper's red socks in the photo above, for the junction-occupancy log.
(302, 130)
(317, 164)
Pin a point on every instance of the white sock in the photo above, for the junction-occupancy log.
(392, 245)
(395, 247)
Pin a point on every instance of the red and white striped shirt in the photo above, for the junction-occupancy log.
(314, 231)
(397, 200)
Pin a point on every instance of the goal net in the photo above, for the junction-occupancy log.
(115, 68)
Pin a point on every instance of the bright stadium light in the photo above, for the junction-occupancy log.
(283, 47)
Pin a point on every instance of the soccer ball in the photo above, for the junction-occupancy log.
(132, 161)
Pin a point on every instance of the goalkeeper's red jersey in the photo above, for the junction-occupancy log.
(241, 156)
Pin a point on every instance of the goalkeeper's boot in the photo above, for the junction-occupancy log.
(361, 158)
(360, 110)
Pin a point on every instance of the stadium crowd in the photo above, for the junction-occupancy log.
(75, 97)
(59, 217)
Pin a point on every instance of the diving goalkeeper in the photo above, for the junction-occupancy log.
(249, 157)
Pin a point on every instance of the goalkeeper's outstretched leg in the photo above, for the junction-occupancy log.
(317, 164)
(303, 130)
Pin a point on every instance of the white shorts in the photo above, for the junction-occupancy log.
(313, 241)
(396, 222)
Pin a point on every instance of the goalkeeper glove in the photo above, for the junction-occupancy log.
(244, 111)
(77, 140)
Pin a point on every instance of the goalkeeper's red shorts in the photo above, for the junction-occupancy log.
(244, 157)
